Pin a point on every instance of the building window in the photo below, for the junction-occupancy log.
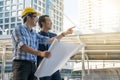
(43, 5)
(35, 1)
(13, 13)
(20, 1)
(60, 29)
(8, 68)
(19, 19)
(60, 24)
(1, 27)
(7, 14)
(12, 25)
(39, 3)
(1, 3)
(7, 8)
(13, 19)
(6, 20)
(1, 20)
(0, 32)
(1, 8)
(44, 11)
(39, 9)
(19, 23)
(7, 32)
(6, 26)
(14, 7)
(14, 1)
(7, 2)
(19, 13)
(1, 15)
(35, 6)
(20, 7)
(43, 0)
(11, 31)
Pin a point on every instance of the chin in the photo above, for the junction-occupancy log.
(34, 24)
(49, 28)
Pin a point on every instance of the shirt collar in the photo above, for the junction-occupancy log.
(28, 28)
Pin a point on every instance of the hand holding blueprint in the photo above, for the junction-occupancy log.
(61, 52)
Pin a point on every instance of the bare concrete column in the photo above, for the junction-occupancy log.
(3, 62)
(88, 70)
(83, 63)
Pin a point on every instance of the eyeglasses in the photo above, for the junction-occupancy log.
(34, 16)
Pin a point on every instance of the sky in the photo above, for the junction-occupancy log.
(71, 10)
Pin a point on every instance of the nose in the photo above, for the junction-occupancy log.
(51, 22)
(37, 19)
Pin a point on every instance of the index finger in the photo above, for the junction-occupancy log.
(72, 27)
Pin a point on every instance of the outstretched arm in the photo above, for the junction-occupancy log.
(63, 34)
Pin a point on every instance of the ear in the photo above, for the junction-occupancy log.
(42, 23)
(28, 18)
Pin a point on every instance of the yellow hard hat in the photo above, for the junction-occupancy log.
(28, 10)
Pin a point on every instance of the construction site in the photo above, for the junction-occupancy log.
(97, 25)
(97, 60)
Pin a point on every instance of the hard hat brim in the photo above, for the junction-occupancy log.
(37, 13)
(29, 10)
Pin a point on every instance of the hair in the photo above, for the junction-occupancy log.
(25, 17)
(42, 19)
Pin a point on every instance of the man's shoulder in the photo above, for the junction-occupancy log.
(19, 27)
(51, 33)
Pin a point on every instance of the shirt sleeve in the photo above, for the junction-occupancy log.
(42, 39)
(19, 36)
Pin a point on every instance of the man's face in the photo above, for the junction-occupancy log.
(34, 20)
(48, 23)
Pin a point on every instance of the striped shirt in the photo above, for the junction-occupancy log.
(23, 36)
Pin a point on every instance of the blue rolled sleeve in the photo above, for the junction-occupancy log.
(19, 37)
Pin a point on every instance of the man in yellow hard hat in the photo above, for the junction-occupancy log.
(25, 44)
(25, 47)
